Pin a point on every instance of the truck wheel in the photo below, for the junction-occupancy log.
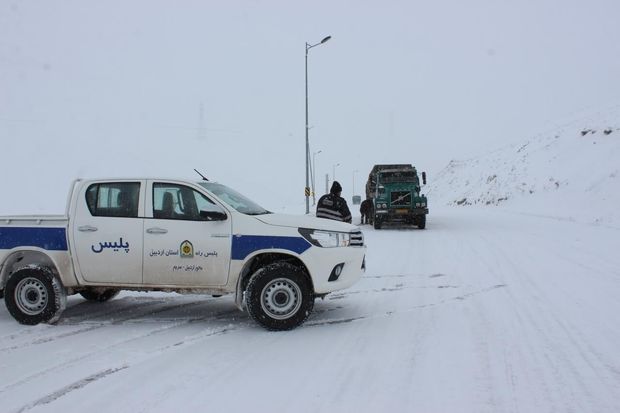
(34, 295)
(100, 296)
(377, 224)
(279, 297)
(422, 222)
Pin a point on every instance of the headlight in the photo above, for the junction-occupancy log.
(383, 205)
(326, 239)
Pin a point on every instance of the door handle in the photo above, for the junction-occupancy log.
(157, 230)
(87, 228)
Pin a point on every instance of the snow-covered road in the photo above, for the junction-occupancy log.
(485, 311)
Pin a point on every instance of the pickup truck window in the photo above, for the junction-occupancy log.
(172, 201)
(234, 199)
(114, 199)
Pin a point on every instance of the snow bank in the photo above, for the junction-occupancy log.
(571, 172)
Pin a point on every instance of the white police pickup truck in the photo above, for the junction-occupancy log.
(172, 235)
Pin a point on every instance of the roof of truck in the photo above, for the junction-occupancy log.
(392, 167)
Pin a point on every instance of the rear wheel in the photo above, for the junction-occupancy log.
(279, 296)
(34, 295)
(100, 296)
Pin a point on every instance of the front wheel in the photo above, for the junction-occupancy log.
(279, 296)
(377, 223)
(34, 295)
(422, 222)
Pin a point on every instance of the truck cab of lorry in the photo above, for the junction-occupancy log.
(395, 190)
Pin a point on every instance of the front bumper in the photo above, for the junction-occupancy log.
(399, 214)
(324, 260)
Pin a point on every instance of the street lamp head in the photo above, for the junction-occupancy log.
(310, 46)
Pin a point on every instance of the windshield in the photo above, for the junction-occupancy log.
(234, 199)
(399, 176)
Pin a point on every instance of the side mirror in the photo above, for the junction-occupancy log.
(423, 178)
(213, 215)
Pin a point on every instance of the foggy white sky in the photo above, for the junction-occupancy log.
(114, 88)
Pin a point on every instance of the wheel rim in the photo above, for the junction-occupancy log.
(281, 298)
(31, 296)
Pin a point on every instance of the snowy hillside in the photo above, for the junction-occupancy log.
(570, 172)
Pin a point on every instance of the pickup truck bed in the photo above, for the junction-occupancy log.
(48, 232)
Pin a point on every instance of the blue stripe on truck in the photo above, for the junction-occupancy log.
(244, 245)
(54, 239)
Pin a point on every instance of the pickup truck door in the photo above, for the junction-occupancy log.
(107, 231)
(181, 247)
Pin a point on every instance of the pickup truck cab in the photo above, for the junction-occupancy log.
(174, 235)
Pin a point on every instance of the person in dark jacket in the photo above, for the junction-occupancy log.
(333, 206)
(367, 211)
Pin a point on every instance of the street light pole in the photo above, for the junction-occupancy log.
(307, 188)
(314, 154)
(334, 171)
(354, 172)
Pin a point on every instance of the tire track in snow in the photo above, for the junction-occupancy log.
(388, 289)
(564, 350)
(400, 276)
(140, 311)
(400, 287)
(137, 312)
(79, 384)
(388, 313)
(526, 319)
(68, 389)
(66, 364)
(94, 310)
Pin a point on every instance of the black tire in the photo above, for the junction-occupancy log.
(100, 296)
(279, 297)
(377, 224)
(34, 295)
(422, 222)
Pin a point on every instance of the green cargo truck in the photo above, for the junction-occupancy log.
(395, 191)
